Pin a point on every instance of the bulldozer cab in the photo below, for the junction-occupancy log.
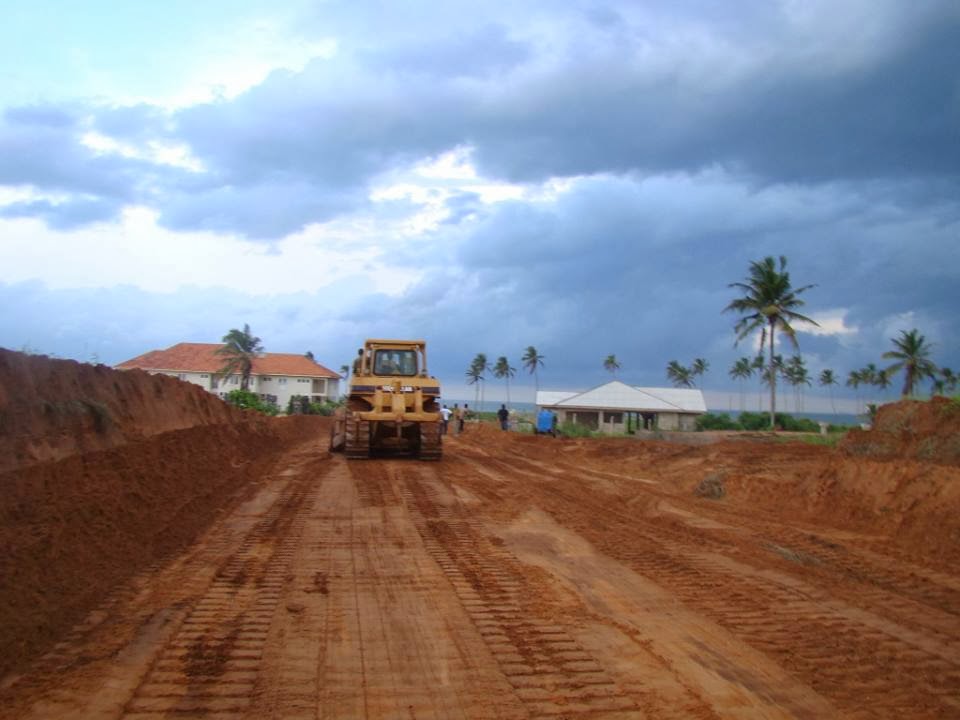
(392, 358)
(395, 362)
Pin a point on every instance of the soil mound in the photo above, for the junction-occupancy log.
(912, 502)
(104, 473)
(51, 409)
(928, 431)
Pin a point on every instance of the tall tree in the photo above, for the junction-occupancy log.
(741, 370)
(912, 355)
(798, 376)
(480, 366)
(949, 379)
(475, 377)
(769, 304)
(611, 365)
(759, 366)
(532, 361)
(828, 380)
(699, 367)
(240, 349)
(679, 375)
(854, 380)
(503, 371)
(344, 371)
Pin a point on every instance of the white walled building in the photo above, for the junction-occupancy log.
(608, 407)
(276, 376)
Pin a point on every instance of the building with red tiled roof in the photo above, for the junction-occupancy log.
(276, 376)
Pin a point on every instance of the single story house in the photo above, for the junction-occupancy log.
(276, 377)
(609, 407)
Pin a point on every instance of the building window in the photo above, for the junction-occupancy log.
(282, 381)
(181, 376)
(265, 378)
(234, 380)
(204, 375)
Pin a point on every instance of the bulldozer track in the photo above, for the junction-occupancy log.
(357, 438)
(811, 633)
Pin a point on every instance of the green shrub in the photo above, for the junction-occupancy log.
(710, 421)
(761, 421)
(569, 429)
(249, 401)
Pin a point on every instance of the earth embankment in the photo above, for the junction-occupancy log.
(105, 473)
(51, 409)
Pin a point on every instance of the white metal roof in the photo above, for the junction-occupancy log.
(616, 395)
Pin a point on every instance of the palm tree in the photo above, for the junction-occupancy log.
(240, 349)
(531, 361)
(344, 371)
(854, 378)
(475, 378)
(882, 380)
(700, 366)
(949, 379)
(611, 365)
(679, 375)
(769, 304)
(797, 375)
(480, 367)
(309, 355)
(759, 366)
(502, 370)
(828, 380)
(741, 370)
(912, 356)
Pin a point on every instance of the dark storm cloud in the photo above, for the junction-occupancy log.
(613, 88)
(642, 271)
(476, 52)
(261, 212)
(42, 148)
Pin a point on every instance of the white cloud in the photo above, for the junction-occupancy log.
(136, 251)
(831, 322)
(173, 154)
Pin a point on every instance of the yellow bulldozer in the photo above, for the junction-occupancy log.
(393, 404)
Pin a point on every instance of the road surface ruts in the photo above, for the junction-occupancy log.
(497, 585)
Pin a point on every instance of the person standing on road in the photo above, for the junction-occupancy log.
(457, 419)
(445, 422)
(464, 416)
(503, 415)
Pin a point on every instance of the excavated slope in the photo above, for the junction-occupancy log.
(102, 474)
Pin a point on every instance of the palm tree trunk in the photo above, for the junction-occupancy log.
(773, 384)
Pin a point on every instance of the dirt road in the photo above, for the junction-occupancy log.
(513, 579)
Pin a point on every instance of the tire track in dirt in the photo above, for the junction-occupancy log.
(549, 670)
(915, 596)
(212, 662)
(824, 644)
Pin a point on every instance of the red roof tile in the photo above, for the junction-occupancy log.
(202, 357)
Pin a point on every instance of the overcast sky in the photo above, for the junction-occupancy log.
(584, 177)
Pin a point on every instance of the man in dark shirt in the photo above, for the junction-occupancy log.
(504, 416)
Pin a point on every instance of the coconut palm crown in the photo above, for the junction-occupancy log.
(769, 303)
(240, 349)
(532, 360)
(611, 364)
(912, 356)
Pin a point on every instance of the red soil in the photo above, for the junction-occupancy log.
(104, 473)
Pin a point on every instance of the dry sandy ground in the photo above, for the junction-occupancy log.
(530, 577)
